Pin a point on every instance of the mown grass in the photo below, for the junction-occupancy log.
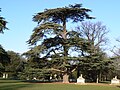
(20, 85)
(12, 84)
(69, 87)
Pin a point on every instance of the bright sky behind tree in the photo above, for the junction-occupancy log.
(19, 15)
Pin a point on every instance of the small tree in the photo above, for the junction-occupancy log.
(54, 36)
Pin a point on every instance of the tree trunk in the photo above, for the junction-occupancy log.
(97, 80)
(100, 76)
(64, 36)
(65, 78)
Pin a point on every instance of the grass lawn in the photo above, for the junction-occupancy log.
(19, 85)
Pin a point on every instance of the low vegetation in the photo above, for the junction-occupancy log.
(20, 85)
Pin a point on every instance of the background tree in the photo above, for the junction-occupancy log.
(96, 62)
(54, 36)
(16, 64)
(4, 59)
(3, 54)
(116, 50)
(94, 32)
(35, 67)
(116, 59)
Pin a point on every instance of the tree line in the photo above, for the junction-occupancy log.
(59, 53)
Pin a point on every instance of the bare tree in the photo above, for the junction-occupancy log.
(94, 32)
(116, 50)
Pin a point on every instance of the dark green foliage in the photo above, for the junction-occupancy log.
(56, 40)
(15, 61)
(16, 64)
(4, 58)
(2, 23)
(94, 61)
(59, 15)
(51, 18)
(35, 68)
(53, 43)
(30, 73)
(95, 65)
(43, 30)
(2, 68)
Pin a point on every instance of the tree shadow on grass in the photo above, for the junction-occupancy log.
(14, 87)
(36, 81)
(40, 81)
(118, 86)
(10, 81)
